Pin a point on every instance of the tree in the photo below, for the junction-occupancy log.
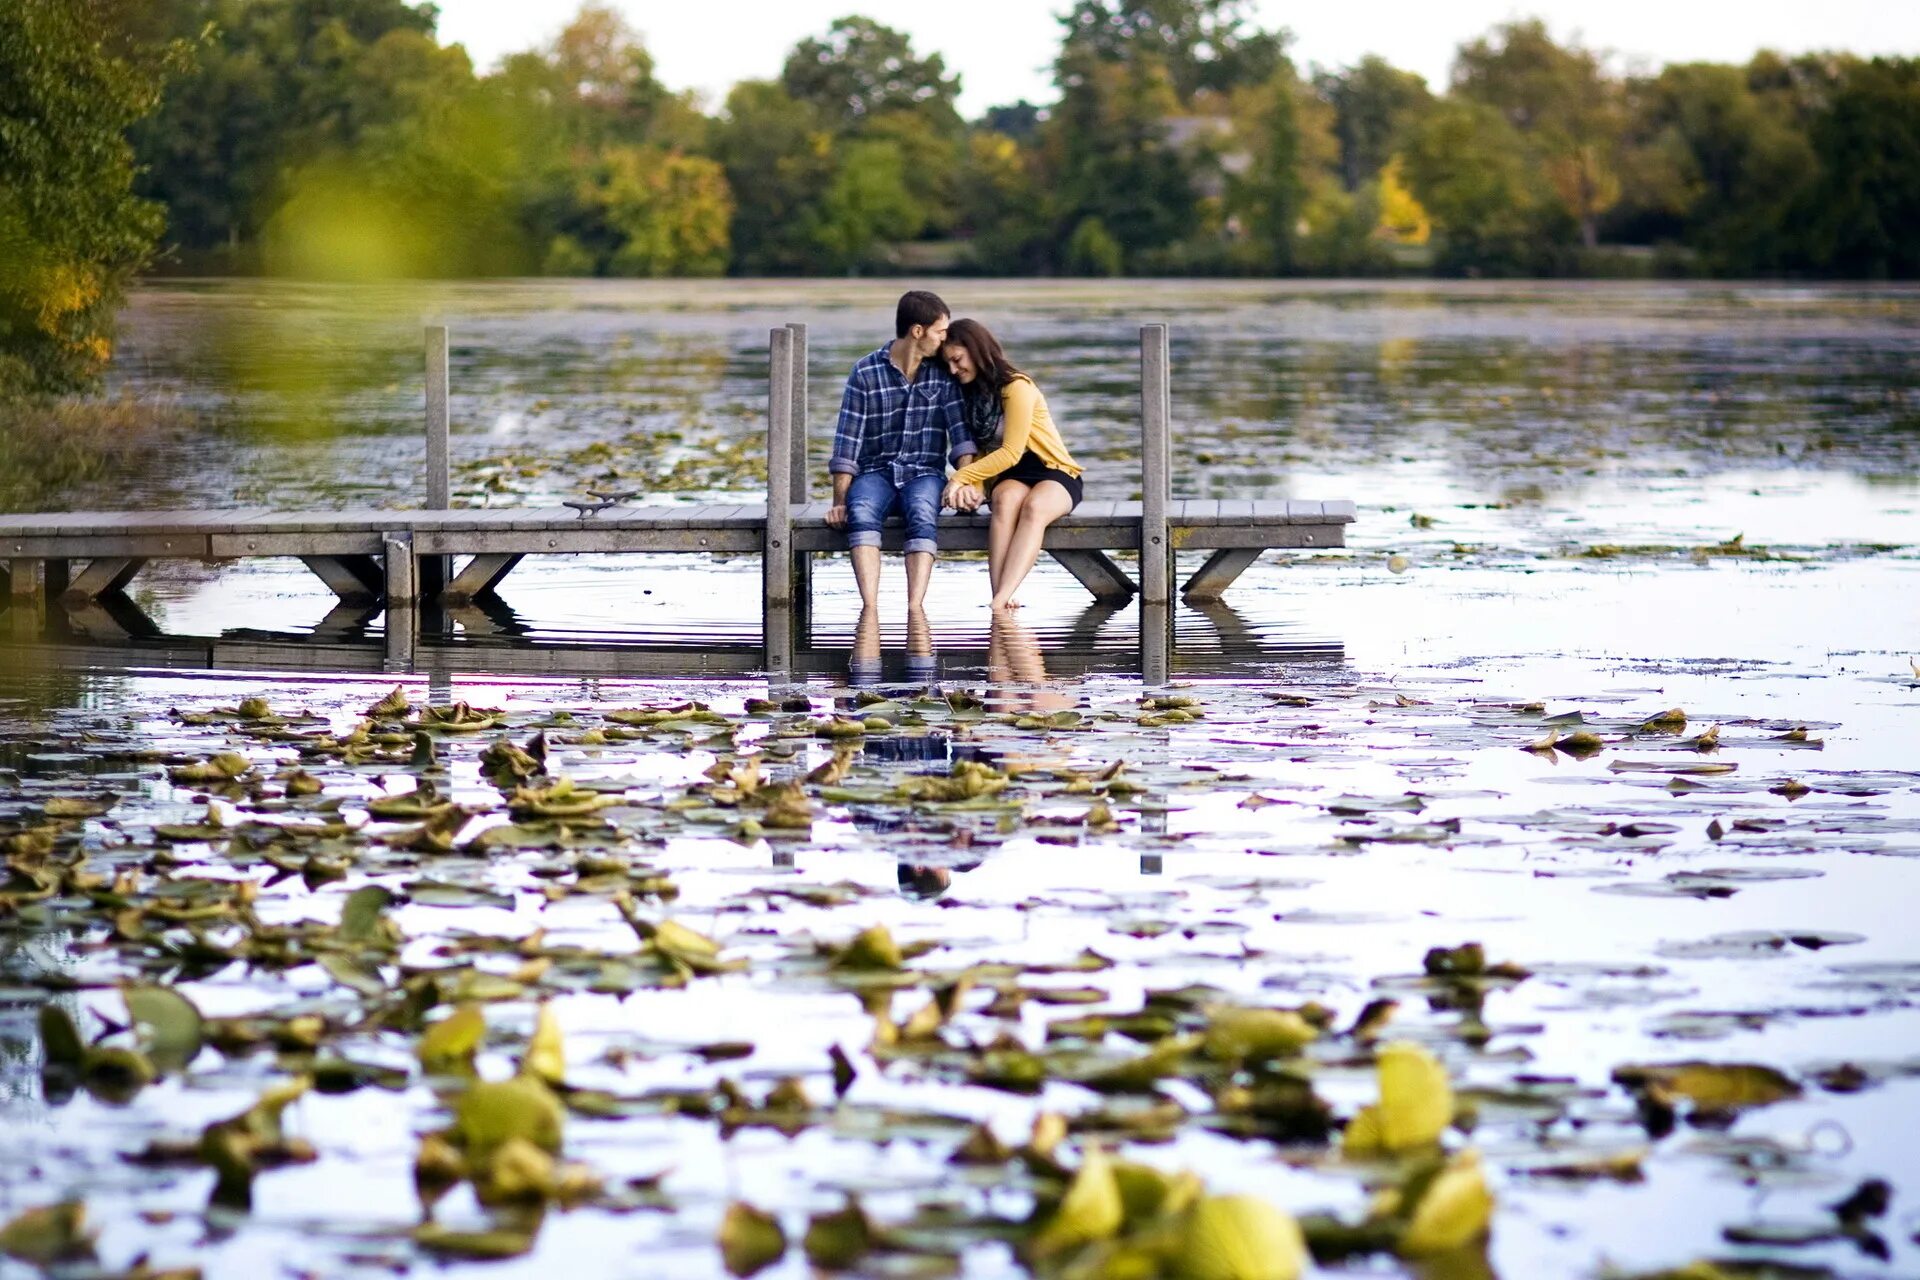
(1202, 44)
(1713, 163)
(274, 81)
(863, 70)
(866, 205)
(1867, 200)
(74, 75)
(1562, 102)
(1373, 103)
(669, 212)
(1466, 165)
(779, 158)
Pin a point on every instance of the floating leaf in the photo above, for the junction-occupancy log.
(1714, 1088)
(49, 1234)
(363, 914)
(60, 1038)
(490, 1113)
(1454, 1209)
(1092, 1208)
(1415, 1107)
(835, 1241)
(1256, 1035)
(871, 948)
(546, 1051)
(1240, 1238)
(169, 1025)
(450, 1043)
(501, 1242)
(750, 1239)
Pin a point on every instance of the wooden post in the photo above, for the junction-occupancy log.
(437, 571)
(798, 385)
(403, 597)
(802, 560)
(1156, 555)
(777, 553)
(1155, 575)
(27, 597)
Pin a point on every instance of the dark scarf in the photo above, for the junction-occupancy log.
(986, 418)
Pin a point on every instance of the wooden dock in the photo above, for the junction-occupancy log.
(435, 556)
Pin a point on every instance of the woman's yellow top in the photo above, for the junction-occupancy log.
(1028, 425)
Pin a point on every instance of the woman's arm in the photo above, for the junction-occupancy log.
(1018, 400)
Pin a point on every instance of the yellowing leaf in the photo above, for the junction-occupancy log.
(1720, 1088)
(1240, 1238)
(491, 1113)
(1415, 1107)
(546, 1051)
(872, 948)
(1091, 1210)
(50, 1233)
(452, 1041)
(1242, 1035)
(750, 1239)
(1455, 1209)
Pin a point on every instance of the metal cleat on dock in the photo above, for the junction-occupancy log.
(614, 496)
(588, 508)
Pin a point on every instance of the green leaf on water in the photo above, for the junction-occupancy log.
(169, 1025)
(48, 1234)
(750, 1239)
(490, 1113)
(60, 1038)
(451, 1042)
(362, 914)
(1091, 1210)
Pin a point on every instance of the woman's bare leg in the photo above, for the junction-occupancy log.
(1044, 503)
(1008, 497)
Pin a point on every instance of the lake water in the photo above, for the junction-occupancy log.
(1595, 499)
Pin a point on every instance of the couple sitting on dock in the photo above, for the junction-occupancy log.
(944, 391)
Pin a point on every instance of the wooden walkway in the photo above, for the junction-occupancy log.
(404, 559)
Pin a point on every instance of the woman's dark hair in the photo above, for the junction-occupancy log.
(992, 371)
(917, 307)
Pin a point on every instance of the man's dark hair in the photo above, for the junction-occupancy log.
(917, 307)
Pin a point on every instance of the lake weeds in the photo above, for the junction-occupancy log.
(1612, 502)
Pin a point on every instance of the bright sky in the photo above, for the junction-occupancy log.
(1002, 48)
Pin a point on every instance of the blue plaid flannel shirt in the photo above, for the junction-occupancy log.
(905, 429)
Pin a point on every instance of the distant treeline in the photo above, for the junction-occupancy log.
(340, 138)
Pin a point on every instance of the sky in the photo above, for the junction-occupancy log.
(1002, 48)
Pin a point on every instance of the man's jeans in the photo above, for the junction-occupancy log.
(871, 498)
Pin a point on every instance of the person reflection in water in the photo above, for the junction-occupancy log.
(1017, 670)
(864, 664)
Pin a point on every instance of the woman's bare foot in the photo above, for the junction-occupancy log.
(1004, 606)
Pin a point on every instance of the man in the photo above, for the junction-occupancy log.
(901, 422)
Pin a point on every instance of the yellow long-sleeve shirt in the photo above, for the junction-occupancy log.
(1028, 426)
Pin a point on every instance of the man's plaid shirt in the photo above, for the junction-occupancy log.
(904, 429)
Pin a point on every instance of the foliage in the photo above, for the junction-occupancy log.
(339, 138)
(74, 75)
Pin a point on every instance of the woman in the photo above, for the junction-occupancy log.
(1024, 466)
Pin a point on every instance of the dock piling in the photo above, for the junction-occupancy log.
(778, 555)
(1156, 552)
(437, 571)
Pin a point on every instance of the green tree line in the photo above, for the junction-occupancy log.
(341, 139)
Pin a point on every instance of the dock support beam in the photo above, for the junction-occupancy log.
(108, 575)
(1156, 552)
(1217, 574)
(777, 554)
(435, 571)
(802, 560)
(355, 579)
(480, 576)
(1098, 574)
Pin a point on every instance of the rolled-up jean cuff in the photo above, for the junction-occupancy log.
(864, 538)
(927, 545)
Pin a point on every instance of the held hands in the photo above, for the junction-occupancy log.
(962, 497)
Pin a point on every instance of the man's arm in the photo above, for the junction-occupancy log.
(844, 463)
